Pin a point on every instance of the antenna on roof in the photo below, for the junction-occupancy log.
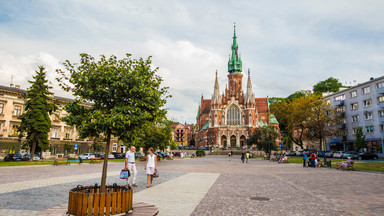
(12, 79)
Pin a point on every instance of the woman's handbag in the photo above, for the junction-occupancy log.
(124, 174)
(155, 174)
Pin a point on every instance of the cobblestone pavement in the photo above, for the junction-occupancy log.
(214, 185)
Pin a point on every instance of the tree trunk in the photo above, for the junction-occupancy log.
(33, 150)
(105, 165)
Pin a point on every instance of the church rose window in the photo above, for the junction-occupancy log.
(233, 115)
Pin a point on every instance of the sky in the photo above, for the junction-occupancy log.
(288, 45)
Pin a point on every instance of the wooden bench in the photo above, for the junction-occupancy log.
(58, 161)
(96, 160)
(348, 167)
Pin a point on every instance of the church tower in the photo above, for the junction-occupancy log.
(235, 67)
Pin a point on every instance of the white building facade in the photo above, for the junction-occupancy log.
(359, 106)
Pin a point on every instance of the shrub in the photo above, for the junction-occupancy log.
(200, 153)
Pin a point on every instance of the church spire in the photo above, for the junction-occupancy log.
(216, 97)
(235, 64)
(250, 96)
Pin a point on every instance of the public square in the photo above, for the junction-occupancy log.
(212, 185)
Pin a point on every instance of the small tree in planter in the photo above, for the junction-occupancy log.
(114, 98)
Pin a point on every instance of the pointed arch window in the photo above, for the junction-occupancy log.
(233, 115)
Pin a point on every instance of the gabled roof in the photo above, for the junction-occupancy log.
(205, 126)
(272, 119)
(261, 104)
(206, 106)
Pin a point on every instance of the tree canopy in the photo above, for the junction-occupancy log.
(35, 121)
(114, 97)
(264, 138)
(329, 85)
(360, 142)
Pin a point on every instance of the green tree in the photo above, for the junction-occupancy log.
(321, 121)
(298, 94)
(113, 98)
(264, 138)
(35, 121)
(329, 85)
(158, 137)
(360, 142)
(67, 148)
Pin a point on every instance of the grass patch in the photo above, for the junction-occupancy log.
(358, 165)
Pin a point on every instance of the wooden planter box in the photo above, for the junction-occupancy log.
(90, 201)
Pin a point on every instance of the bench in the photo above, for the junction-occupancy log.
(58, 161)
(348, 167)
(96, 160)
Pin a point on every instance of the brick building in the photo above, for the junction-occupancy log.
(228, 119)
(182, 134)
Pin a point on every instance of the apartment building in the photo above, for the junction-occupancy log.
(12, 101)
(182, 134)
(359, 106)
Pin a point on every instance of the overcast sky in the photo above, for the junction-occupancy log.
(288, 45)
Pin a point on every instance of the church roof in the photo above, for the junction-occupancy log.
(206, 106)
(272, 119)
(262, 104)
(205, 126)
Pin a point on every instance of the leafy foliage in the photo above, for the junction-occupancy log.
(158, 137)
(200, 153)
(264, 138)
(298, 94)
(329, 85)
(35, 122)
(120, 98)
(360, 142)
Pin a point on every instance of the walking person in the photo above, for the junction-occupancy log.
(305, 159)
(312, 159)
(150, 166)
(247, 156)
(130, 164)
(242, 157)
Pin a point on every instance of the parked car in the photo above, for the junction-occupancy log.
(299, 153)
(290, 153)
(352, 154)
(118, 155)
(161, 155)
(139, 155)
(176, 154)
(100, 155)
(13, 157)
(329, 154)
(87, 156)
(322, 153)
(111, 156)
(338, 154)
(26, 157)
(368, 156)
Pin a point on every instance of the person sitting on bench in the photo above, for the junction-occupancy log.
(346, 163)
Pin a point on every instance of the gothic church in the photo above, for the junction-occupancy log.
(228, 119)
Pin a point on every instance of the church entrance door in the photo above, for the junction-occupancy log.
(233, 141)
(224, 141)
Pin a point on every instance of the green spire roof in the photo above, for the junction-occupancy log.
(198, 113)
(235, 65)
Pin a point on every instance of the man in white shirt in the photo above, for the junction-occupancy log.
(130, 164)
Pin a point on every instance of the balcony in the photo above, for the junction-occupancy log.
(340, 126)
(381, 104)
(380, 90)
(339, 103)
(340, 114)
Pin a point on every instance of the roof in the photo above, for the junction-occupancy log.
(205, 126)
(206, 106)
(261, 104)
(272, 119)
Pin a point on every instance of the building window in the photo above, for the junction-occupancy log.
(380, 85)
(355, 118)
(354, 106)
(368, 116)
(340, 97)
(1, 108)
(380, 99)
(233, 115)
(14, 130)
(340, 109)
(56, 116)
(369, 129)
(366, 90)
(381, 128)
(114, 147)
(367, 103)
(17, 111)
(381, 113)
(353, 94)
(55, 133)
(354, 131)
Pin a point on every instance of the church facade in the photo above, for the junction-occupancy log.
(227, 119)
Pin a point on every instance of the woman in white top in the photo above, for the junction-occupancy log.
(150, 166)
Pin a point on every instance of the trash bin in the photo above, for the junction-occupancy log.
(81, 160)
